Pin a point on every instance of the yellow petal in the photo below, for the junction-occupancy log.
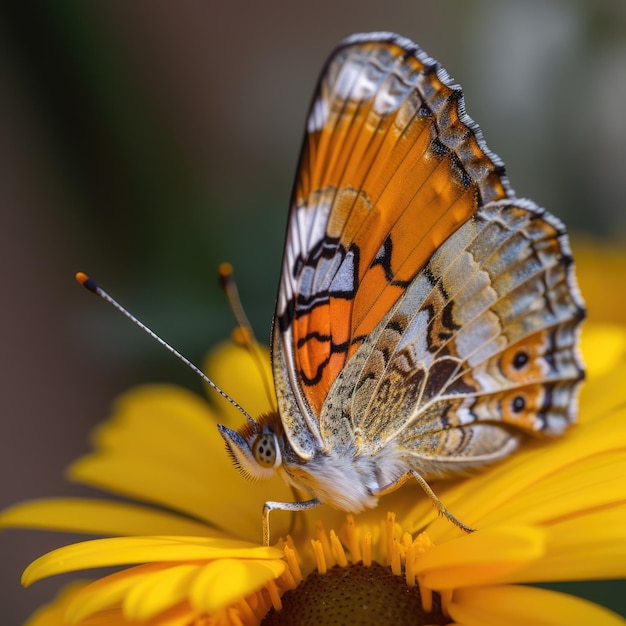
(163, 446)
(128, 589)
(521, 606)
(106, 593)
(583, 547)
(480, 557)
(101, 517)
(146, 591)
(583, 486)
(181, 615)
(130, 550)
(89, 605)
(56, 612)
(223, 582)
(157, 592)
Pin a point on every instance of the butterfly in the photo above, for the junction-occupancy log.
(427, 320)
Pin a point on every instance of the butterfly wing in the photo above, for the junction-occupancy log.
(479, 350)
(375, 300)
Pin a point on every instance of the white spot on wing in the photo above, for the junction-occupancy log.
(343, 281)
(356, 81)
(307, 228)
(319, 115)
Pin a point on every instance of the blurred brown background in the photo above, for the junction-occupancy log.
(145, 142)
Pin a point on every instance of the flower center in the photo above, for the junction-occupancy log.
(353, 587)
(355, 594)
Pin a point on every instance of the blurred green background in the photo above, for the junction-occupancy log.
(144, 142)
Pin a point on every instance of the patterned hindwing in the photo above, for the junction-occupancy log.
(480, 350)
(391, 166)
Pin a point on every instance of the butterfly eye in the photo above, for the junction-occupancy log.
(520, 359)
(264, 449)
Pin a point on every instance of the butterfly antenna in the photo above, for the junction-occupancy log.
(245, 336)
(91, 284)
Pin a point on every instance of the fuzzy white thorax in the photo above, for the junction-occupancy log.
(341, 478)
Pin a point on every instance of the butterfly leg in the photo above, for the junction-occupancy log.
(439, 505)
(283, 506)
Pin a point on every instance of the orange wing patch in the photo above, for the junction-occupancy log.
(390, 168)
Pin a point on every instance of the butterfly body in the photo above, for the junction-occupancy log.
(427, 320)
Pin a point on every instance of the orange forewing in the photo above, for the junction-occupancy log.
(386, 181)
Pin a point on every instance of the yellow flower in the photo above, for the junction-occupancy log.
(189, 544)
